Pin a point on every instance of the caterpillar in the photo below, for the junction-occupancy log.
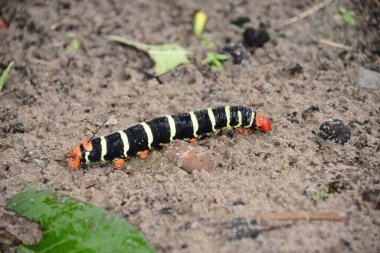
(140, 138)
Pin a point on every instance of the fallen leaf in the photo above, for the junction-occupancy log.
(73, 226)
(166, 57)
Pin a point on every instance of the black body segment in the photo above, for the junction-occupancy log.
(235, 115)
(96, 151)
(246, 115)
(220, 117)
(161, 131)
(153, 133)
(138, 140)
(204, 122)
(115, 146)
(183, 126)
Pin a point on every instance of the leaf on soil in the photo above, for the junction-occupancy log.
(70, 225)
(166, 56)
(3, 76)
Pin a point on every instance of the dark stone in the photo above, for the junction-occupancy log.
(335, 130)
(372, 196)
(237, 52)
(309, 112)
(238, 202)
(292, 117)
(18, 128)
(296, 69)
(338, 187)
(242, 228)
(240, 21)
(255, 39)
(103, 85)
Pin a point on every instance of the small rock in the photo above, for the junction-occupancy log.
(255, 39)
(308, 113)
(372, 196)
(335, 130)
(338, 186)
(295, 69)
(242, 228)
(240, 21)
(365, 78)
(237, 52)
(103, 85)
(18, 128)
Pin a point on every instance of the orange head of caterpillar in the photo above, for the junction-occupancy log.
(74, 157)
(263, 123)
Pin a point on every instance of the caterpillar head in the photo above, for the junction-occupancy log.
(263, 123)
(74, 157)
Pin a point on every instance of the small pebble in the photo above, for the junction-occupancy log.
(18, 128)
(237, 52)
(295, 69)
(373, 197)
(255, 39)
(365, 78)
(240, 21)
(335, 130)
(242, 228)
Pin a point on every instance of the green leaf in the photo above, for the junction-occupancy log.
(73, 46)
(3, 76)
(222, 57)
(73, 226)
(337, 17)
(342, 9)
(166, 56)
(209, 59)
(349, 19)
(215, 60)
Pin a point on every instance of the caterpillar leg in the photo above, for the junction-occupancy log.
(143, 154)
(193, 140)
(118, 163)
(248, 131)
(244, 131)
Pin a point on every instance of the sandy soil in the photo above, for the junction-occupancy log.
(59, 96)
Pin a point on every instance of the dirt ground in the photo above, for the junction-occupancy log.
(53, 98)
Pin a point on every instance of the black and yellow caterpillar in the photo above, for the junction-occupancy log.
(140, 138)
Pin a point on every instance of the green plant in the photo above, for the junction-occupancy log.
(346, 15)
(215, 60)
(200, 20)
(4, 75)
(74, 45)
(321, 195)
(207, 43)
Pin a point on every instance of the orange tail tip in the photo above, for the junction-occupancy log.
(73, 157)
(263, 123)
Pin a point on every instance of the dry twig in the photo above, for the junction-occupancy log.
(306, 13)
(334, 44)
(301, 216)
